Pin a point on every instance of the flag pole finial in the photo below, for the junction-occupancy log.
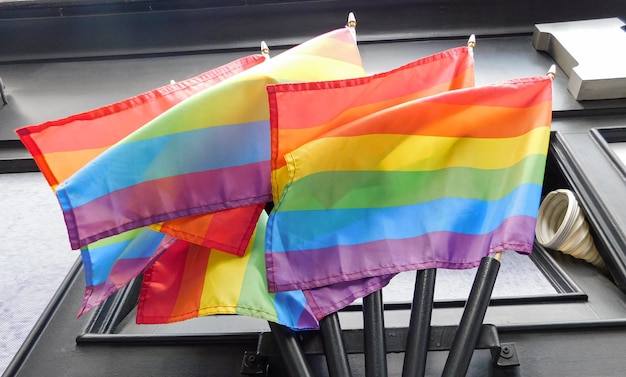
(552, 72)
(351, 25)
(351, 21)
(471, 43)
(265, 50)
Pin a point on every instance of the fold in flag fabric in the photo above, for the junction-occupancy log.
(221, 229)
(61, 147)
(190, 281)
(113, 262)
(302, 112)
(205, 154)
(437, 182)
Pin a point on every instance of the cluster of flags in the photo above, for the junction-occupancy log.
(369, 176)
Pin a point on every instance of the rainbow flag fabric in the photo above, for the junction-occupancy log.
(215, 229)
(206, 154)
(111, 263)
(436, 182)
(294, 124)
(190, 281)
(62, 147)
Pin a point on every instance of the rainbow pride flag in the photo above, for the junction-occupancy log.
(61, 147)
(437, 182)
(299, 113)
(190, 281)
(293, 125)
(208, 153)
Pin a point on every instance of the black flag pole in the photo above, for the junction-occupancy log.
(467, 334)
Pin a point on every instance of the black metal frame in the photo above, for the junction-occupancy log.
(220, 25)
(606, 136)
(2, 95)
(415, 341)
(107, 317)
(610, 240)
(374, 341)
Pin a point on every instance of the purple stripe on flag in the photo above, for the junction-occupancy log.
(331, 298)
(125, 270)
(390, 256)
(209, 191)
(94, 295)
(306, 321)
(121, 274)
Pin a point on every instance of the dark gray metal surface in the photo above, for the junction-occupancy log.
(44, 91)
(48, 29)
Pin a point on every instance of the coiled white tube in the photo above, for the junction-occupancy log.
(561, 225)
